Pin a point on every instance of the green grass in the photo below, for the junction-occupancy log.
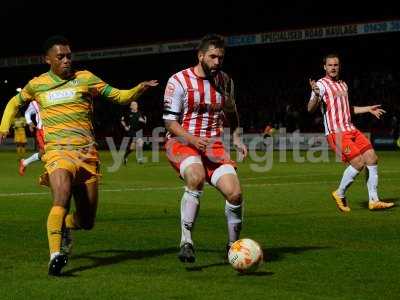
(312, 251)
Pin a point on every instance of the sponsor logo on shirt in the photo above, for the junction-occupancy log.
(211, 108)
(340, 93)
(60, 96)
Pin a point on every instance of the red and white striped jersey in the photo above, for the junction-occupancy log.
(335, 106)
(196, 103)
(33, 108)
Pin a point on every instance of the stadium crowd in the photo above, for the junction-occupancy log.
(271, 84)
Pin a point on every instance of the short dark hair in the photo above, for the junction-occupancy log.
(54, 40)
(213, 39)
(330, 55)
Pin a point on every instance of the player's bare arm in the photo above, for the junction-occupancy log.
(237, 142)
(232, 117)
(376, 110)
(233, 120)
(175, 128)
(316, 100)
(229, 105)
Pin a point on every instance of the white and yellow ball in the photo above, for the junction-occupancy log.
(245, 255)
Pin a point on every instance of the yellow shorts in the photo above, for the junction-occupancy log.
(83, 164)
(20, 137)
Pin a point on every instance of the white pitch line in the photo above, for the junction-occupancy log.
(122, 190)
(306, 175)
(23, 194)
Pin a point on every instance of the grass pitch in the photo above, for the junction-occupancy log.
(312, 251)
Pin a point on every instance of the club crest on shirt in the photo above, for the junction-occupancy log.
(74, 82)
(347, 150)
(52, 165)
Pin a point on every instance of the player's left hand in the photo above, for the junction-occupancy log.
(376, 110)
(148, 84)
(314, 87)
(241, 148)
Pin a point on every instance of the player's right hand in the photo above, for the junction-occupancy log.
(376, 110)
(314, 87)
(199, 142)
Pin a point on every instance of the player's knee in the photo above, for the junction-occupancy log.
(62, 194)
(358, 163)
(195, 180)
(64, 190)
(234, 197)
(372, 159)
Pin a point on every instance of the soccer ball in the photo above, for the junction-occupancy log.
(245, 255)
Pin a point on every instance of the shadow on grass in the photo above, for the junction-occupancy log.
(202, 267)
(102, 258)
(224, 262)
(275, 254)
(257, 274)
(394, 200)
(111, 257)
(270, 254)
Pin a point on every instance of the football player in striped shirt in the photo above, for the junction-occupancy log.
(330, 93)
(196, 102)
(65, 98)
